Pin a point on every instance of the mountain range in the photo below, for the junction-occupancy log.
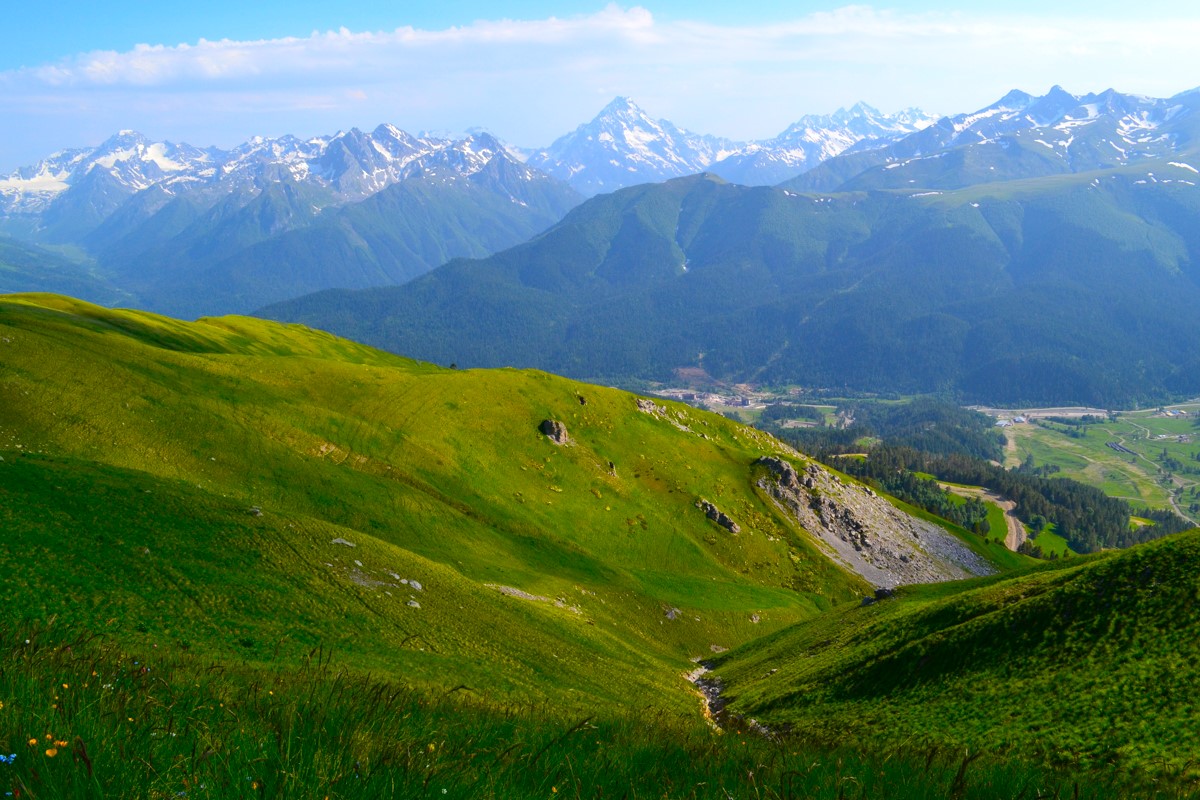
(195, 231)
(908, 257)
(1079, 290)
(623, 146)
(192, 231)
(1020, 136)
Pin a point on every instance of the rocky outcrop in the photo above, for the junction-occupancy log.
(555, 431)
(865, 532)
(718, 516)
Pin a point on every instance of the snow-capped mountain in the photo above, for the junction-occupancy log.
(128, 157)
(623, 146)
(351, 165)
(1019, 136)
(815, 138)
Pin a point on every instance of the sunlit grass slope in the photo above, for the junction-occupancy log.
(1089, 662)
(82, 718)
(251, 490)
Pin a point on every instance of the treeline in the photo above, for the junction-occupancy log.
(915, 490)
(926, 423)
(782, 411)
(1165, 521)
(1086, 517)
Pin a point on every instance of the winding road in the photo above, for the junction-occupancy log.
(1016, 534)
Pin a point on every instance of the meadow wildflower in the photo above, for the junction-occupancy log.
(8, 759)
(51, 752)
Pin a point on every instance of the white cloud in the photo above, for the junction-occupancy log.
(532, 80)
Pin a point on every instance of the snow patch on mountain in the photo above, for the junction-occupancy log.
(352, 164)
(623, 145)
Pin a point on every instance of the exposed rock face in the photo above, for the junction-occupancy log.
(866, 533)
(718, 516)
(555, 430)
(650, 407)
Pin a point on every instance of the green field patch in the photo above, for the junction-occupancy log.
(1051, 543)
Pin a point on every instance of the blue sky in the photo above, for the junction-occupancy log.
(222, 71)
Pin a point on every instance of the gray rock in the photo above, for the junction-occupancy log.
(782, 469)
(343, 542)
(718, 516)
(865, 532)
(555, 431)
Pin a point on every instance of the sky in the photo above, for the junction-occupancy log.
(220, 72)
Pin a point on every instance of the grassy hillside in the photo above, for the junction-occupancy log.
(1084, 663)
(247, 559)
(85, 718)
(248, 488)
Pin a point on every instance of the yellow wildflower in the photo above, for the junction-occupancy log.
(60, 743)
(51, 752)
(33, 742)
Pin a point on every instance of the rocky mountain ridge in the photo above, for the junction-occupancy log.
(1021, 136)
(349, 165)
(623, 146)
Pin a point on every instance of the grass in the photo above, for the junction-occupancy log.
(1081, 664)
(189, 483)
(997, 525)
(257, 560)
(1051, 543)
(84, 718)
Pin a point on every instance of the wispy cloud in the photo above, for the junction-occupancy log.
(530, 80)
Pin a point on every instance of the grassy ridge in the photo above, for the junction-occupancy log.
(1083, 663)
(187, 482)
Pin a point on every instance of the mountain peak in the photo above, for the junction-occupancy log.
(624, 109)
(861, 109)
(620, 103)
(1014, 99)
(123, 138)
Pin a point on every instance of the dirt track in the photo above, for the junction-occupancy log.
(1016, 534)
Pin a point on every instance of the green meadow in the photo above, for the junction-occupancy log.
(1144, 478)
(253, 488)
(1082, 663)
(245, 559)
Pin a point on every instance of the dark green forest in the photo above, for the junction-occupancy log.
(1002, 294)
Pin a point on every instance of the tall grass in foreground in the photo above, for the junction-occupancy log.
(81, 718)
